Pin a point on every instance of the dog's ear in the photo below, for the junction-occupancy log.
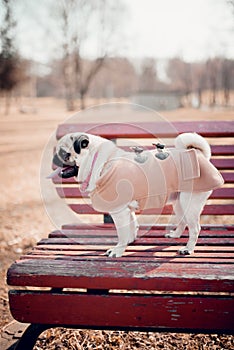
(81, 142)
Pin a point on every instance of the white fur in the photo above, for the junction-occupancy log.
(193, 140)
(187, 206)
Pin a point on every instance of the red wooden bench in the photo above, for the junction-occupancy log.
(151, 287)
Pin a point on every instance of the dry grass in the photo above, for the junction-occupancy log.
(61, 338)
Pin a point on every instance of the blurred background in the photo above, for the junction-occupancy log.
(161, 54)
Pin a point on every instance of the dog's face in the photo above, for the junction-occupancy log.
(69, 152)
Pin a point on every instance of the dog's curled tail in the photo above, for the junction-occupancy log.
(193, 140)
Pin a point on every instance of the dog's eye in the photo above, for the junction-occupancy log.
(81, 142)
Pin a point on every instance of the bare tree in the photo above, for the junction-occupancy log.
(180, 74)
(111, 79)
(227, 78)
(79, 21)
(148, 76)
(85, 73)
(9, 60)
(66, 8)
(213, 67)
(199, 79)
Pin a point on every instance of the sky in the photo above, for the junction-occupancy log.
(191, 29)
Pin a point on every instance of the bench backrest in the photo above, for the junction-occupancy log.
(219, 134)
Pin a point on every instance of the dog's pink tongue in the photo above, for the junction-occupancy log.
(54, 173)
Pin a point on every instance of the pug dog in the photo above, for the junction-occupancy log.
(122, 183)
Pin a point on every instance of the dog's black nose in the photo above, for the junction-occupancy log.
(64, 155)
(67, 157)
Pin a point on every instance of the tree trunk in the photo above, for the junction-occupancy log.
(226, 96)
(82, 101)
(213, 97)
(7, 102)
(68, 85)
(199, 94)
(70, 104)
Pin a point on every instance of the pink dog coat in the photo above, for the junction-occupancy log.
(150, 183)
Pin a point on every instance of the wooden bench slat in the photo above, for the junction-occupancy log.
(101, 249)
(222, 150)
(156, 227)
(149, 129)
(88, 209)
(62, 253)
(143, 241)
(84, 253)
(147, 232)
(132, 257)
(224, 164)
(76, 245)
(74, 192)
(216, 150)
(228, 177)
(117, 274)
(212, 209)
(133, 311)
(223, 193)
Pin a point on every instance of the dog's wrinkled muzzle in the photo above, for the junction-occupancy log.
(65, 169)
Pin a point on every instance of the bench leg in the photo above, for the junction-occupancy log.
(29, 337)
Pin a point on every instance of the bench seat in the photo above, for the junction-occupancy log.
(67, 280)
(73, 258)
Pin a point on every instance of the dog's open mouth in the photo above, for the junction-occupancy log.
(68, 171)
(65, 169)
(64, 172)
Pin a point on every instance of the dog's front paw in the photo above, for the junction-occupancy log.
(169, 234)
(185, 251)
(173, 234)
(115, 252)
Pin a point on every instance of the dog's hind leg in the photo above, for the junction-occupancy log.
(124, 225)
(179, 220)
(192, 205)
(134, 227)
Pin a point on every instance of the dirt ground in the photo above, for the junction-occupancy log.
(23, 220)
